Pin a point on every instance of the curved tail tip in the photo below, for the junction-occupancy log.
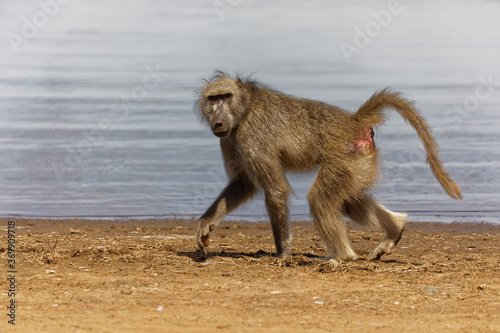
(454, 192)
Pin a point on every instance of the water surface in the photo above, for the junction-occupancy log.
(96, 105)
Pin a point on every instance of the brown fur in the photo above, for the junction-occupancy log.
(265, 133)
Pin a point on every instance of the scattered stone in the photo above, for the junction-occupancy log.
(75, 232)
(431, 290)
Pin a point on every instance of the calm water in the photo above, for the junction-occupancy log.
(96, 99)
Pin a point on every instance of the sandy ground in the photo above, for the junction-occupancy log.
(146, 276)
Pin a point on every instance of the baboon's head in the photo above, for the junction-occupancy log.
(222, 104)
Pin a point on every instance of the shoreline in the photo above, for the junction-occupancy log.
(133, 275)
(231, 219)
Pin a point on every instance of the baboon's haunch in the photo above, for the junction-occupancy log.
(264, 133)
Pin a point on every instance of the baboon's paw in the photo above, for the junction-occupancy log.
(333, 263)
(282, 255)
(202, 239)
(203, 252)
(203, 235)
(205, 240)
(350, 256)
(401, 220)
(384, 248)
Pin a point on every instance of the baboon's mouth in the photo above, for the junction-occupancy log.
(221, 133)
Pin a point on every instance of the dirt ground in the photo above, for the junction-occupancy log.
(146, 276)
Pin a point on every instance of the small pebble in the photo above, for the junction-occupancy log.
(431, 290)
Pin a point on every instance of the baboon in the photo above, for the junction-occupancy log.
(264, 133)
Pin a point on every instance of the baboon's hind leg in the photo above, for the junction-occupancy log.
(367, 211)
(325, 201)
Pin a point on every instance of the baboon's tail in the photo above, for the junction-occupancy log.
(370, 115)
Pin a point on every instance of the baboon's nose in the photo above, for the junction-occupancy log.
(219, 129)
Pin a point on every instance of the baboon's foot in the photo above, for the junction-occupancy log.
(384, 248)
(333, 263)
(349, 255)
(283, 249)
(401, 220)
(203, 252)
(283, 246)
(203, 236)
(282, 255)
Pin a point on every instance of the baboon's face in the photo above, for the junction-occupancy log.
(221, 120)
(221, 106)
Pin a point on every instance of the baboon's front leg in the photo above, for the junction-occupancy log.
(277, 207)
(234, 194)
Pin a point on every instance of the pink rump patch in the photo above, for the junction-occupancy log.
(364, 144)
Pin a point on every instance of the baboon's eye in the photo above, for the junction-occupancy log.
(224, 97)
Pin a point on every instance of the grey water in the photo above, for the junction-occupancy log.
(96, 99)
